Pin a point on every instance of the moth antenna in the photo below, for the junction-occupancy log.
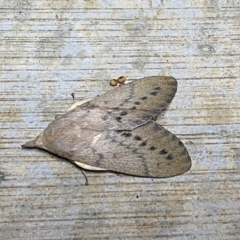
(86, 179)
(30, 144)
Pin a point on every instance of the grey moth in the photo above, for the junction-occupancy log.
(115, 132)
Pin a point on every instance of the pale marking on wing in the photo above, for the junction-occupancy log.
(88, 167)
(95, 139)
(78, 104)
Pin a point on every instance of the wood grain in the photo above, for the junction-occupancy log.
(50, 49)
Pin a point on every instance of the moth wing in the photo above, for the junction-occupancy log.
(150, 94)
(148, 151)
(114, 132)
(134, 104)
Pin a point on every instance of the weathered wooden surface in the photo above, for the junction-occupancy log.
(49, 49)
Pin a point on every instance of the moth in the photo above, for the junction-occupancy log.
(115, 132)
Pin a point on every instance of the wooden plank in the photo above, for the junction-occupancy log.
(50, 49)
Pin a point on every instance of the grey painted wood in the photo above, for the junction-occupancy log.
(50, 49)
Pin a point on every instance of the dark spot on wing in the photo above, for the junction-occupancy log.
(163, 152)
(157, 88)
(165, 132)
(143, 144)
(133, 108)
(134, 151)
(156, 127)
(183, 152)
(154, 93)
(126, 134)
(173, 138)
(118, 119)
(70, 154)
(137, 103)
(137, 138)
(180, 143)
(169, 157)
(143, 98)
(104, 117)
(152, 148)
(98, 160)
(123, 113)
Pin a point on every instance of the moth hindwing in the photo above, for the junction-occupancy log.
(115, 132)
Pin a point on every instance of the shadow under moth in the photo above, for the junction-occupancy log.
(115, 132)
